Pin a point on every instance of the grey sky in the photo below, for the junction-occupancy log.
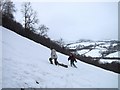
(73, 21)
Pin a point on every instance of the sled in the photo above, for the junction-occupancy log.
(63, 65)
(60, 64)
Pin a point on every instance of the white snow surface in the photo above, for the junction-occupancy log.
(115, 54)
(93, 53)
(108, 60)
(25, 62)
(0, 58)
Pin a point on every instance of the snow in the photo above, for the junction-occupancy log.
(108, 60)
(80, 45)
(83, 51)
(25, 62)
(105, 45)
(0, 57)
(115, 44)
(87, 43)
(115, 54)
(94, 53)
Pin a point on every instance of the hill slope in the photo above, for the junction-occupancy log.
(26, 62)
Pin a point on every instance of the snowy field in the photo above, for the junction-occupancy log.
(26, 62)
(111, 55)
(98, 47)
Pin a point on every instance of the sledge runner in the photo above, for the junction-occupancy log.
(72, 59)
(53, 56)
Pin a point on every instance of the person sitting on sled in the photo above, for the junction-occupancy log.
(72, 59)
(53, 56)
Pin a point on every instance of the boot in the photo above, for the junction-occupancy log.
(74, 65)
(50, 59)
(56, 62)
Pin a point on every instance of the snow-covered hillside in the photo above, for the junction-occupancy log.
(96, 49)
(115, 54)
(26, 62)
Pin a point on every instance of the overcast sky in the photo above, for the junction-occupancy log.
(73, 21)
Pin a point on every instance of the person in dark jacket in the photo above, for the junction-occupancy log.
(72, 60)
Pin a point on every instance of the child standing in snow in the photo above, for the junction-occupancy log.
(72, 59)
(53, 56)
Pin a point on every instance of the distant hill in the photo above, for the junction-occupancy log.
(95, 48)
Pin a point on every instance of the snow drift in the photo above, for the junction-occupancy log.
(25, 65)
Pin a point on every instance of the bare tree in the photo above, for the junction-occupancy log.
(31, 20)
(7, 8)
(60, 42)
(43, 30)
(30, 16)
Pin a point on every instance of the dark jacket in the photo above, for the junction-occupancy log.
(72, 58)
